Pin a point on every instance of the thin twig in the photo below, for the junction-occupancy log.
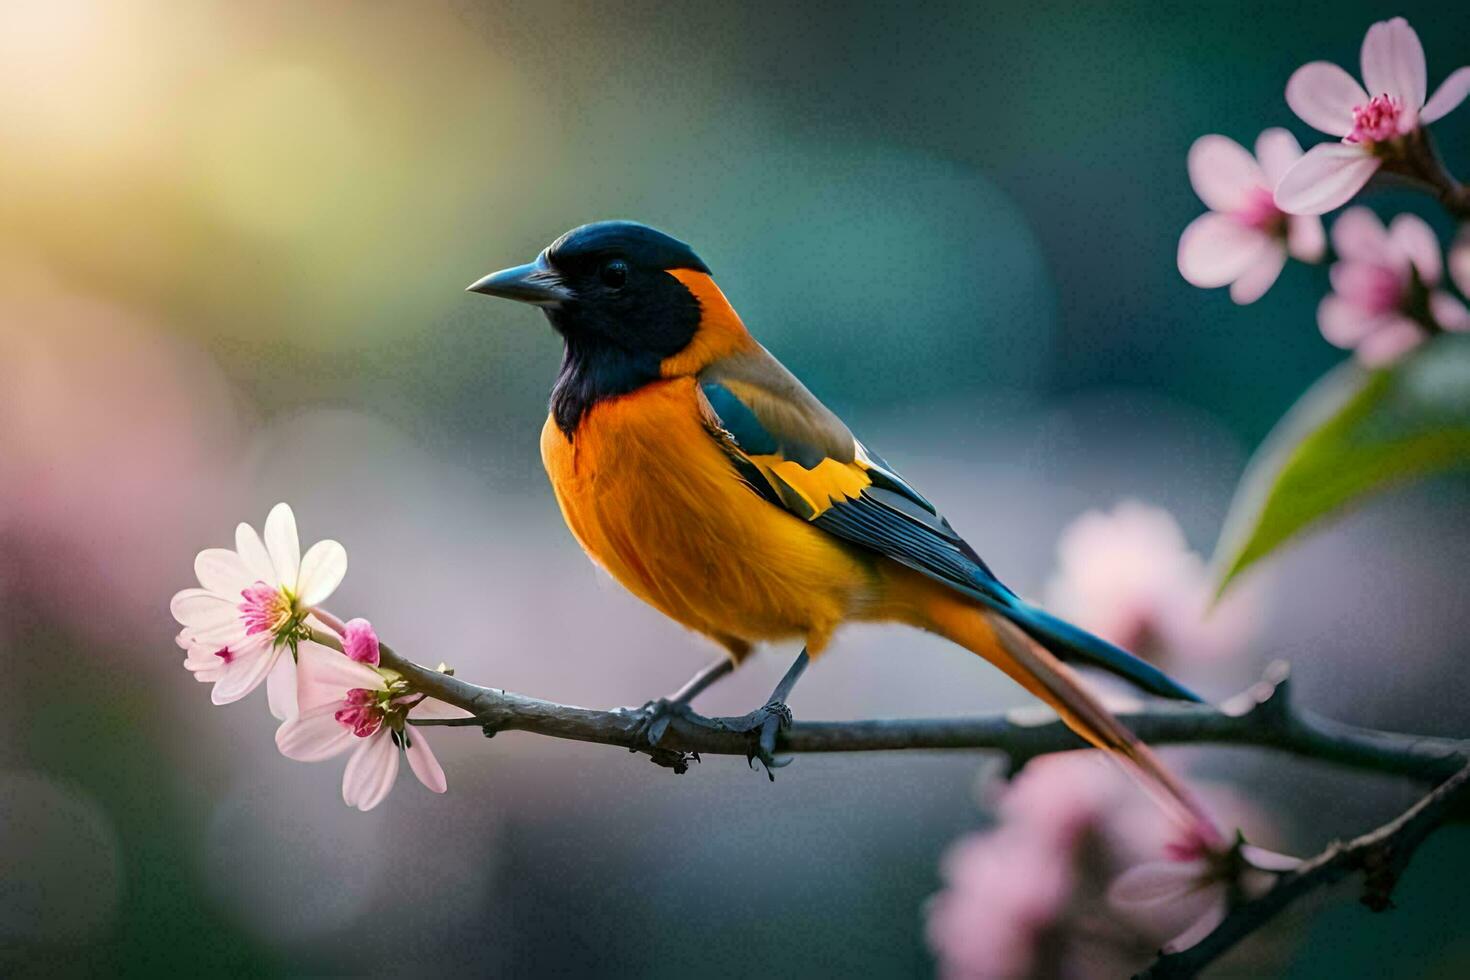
(1381, 855)
(1262, 716)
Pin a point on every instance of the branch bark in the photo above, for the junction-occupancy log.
(1381, 855)
(1261, 716)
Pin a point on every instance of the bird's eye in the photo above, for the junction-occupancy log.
(615, 273)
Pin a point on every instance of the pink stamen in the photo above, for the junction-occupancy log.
(361, 712)
(1260, 212)
(1376, 121)
(225, 654)
(265, 609)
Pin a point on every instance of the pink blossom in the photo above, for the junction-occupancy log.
(1189, 893)
(1384, 301)
(1244, 238)
(1130, 577)
(360, 642)
(251, 604)
(1371, 119)
(1003, 891)
(346, 705)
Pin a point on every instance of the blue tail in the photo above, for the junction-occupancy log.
(1074, 645)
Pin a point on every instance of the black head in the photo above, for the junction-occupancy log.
(607, 289)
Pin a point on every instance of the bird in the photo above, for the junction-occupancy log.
(698, 471)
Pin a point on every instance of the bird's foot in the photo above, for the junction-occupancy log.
(649, 727)
(763, 726)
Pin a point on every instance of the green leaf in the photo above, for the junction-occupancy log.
(1352, 434)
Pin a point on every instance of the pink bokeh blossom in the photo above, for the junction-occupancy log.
(1244, 239)
(1129, 576)
(1385, 299)
(1371, 119)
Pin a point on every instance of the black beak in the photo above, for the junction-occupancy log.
(536, 283)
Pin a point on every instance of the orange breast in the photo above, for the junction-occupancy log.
(654, 500)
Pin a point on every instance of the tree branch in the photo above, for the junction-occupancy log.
(1261, 716)
(1381, 856)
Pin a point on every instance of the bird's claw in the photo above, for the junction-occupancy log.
(765, 725)
(650, 727)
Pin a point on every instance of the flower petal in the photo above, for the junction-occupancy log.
(1155, 882)
(221, 570)
(314, 735)
(321, 572)
(1393, 62)
(325, 676)
(1259, 857)
(280, 689)
(202, 609)
(1324, 96)
(371, 771)
(1305, 238)
(435, 709)
(1206, 923)
(283, 544)
(1223, 172)
(1412, 237)
(1277, 150)
(1259, 275)
(1459, 262)
(1389, 343)
(1216, 249)
(1343, 323)
(244, 672)
(1447, 97)
(1449, 312)
(1357, 234)
(1325, 178)
(252, 552)
(421, 760)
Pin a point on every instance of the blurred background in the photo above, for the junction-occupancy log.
(233, 245)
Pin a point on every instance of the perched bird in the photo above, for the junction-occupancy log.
(699, 472)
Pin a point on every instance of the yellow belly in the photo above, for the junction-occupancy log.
(654, 500)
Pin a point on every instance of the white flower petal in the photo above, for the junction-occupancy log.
(435, 709)
(1324, 96)
(283, 544)
(202, 609)
(1259, 275)
(314, 735)
(280, 689)
(321, 572)
(421, 760)
(221, 570)
(1215, 249)
(325, 676)
(1223, 173)
(1277, 150)
(371, 771)
(1325, 178)
(252, 552)
(1447, 97)
(1305, 238)
(1393, 62)
(1266, 860)
(1414, 239)
(227, 634)
(243, 674)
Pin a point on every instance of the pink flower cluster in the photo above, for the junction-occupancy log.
(256, 616)
(1264, 208)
